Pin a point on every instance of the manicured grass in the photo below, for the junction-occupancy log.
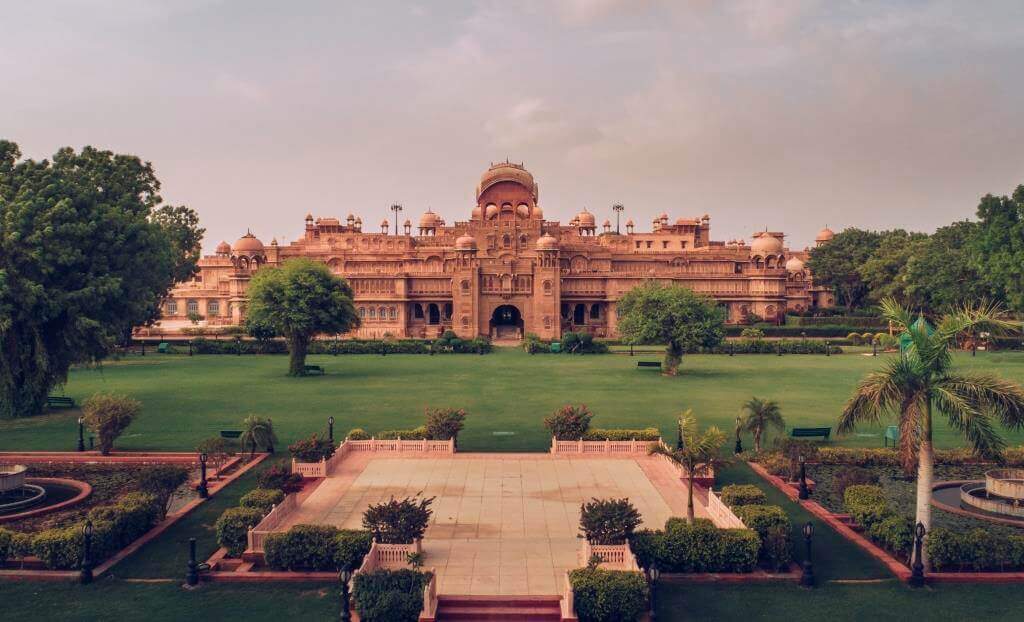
(507, 394)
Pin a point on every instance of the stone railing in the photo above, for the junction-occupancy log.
(399, 445)
(385, 555)
(615, 556)
(706, 479)
(430, 597)
(721, 515)
(272, 522)
(568, 604)
(632, 447)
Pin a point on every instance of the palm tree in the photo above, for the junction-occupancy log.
(761, 415)
(698, 456)
(922, 381)
(258, 432)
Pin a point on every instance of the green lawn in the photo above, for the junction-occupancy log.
(507, 394)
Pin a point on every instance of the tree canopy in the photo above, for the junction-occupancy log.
(653, 313)
(299, 300)
(87, 251)
(999, 246)
(883, 272)
(837, 264)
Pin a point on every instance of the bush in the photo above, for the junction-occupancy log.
(769, 521)
(6, 536)
(608, 595)
(752, 333)
(444, 423)
(569, 423)
(854, 338)
(866, 504)
(398, 522)
(217, 449)
(532, 344)
(233, 528)
(854, 476)
(303, 547)
(775, 463)
(350, 547)
(312, 449)
(263, 499)
(601, 434)
(701, 547)
(582, 343)
(608, 521)
(415, 434)
(358, 434)
(777, 548)
(108, 416)
(280, 477)
(976, 550)
(895, 533)
(794, 449)
(162, 482)
(735, 495)
(390, 595)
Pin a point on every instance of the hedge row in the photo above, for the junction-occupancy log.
(608, 595)
(977, 550)
(829, 330)
(735, 495)
(346, 346)
(836, 320)
(617, 434)
(696, 547)
(114, 527)
(868, 506)
(317, 547)
(762, 346)
(390, 595)
(865, 457)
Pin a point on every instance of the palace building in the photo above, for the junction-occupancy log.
(507, 271)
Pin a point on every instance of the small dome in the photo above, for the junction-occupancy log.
(384, 223)
(273, 242)
(664, 216)
(491, 210)
(429, 220)
(629, 223)
(223, 248)
(585, 219)
(523, 210)
(350, 217)
(407, 223)
(765, 244)
(794, 264)
(477, 212)
(247, 244)
(538, 213)
(606, 223)
(465, 242)
(825, 235)
(547, 242)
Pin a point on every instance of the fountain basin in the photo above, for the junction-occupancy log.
(60, 493)
(12, 477)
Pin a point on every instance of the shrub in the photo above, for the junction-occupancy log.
(303, 547)
(569, 423)
(793, 449)
(608, 521)
(263, 499)
(5, 544)
(532, 344)
(162, 482)
(775, 463)
(743, 494)
(895, 533)
(280, 477)
(61, 547)
(398, 522)
(415, 434)
(866, 504)
(854, 476)
(358, 434)
(312, 449)
(752, 333)
(739, 550)
(854, 338)
(217, 449)
(444, 423)
(601, 434)
(390, 595)
(608, 595)
(350, 547)
(108, 416)
(233, 528)
(701, 547)
(777, 548)
(644, 543)
(582, 343)
(769, 520)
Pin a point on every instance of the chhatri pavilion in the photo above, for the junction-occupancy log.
(507, 271)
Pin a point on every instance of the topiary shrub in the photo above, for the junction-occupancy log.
(701, 547)
(233, 528)
(398, 522)
(390, 595)
(60, 547)
(303, 547)
(608, 595)
(895, 533)
(280, 477)
(855, 338)
(312, 449)
(735, 495)
(108, 416)
(764, 519)
(739, 550)
(608, 521)
(263, 499)
(569, 423)
(358, 434)
(775, 463)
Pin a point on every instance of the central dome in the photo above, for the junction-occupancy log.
(507, 171)
(248, 243)
(766, 244)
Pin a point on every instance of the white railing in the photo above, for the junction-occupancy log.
(399, 445)
(310, 469)
(706, 477)
(568, 605)
(430, 597)
(617, 556)
(721, 515)
(631, 447)
(272, 522)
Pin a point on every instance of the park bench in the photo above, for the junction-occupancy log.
(54, 401)
(313, 369)
(163, 347)
(892, 433)
(811, 432)
(230, 433)
(656, 364)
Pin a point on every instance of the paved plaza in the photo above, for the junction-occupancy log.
(502, 523)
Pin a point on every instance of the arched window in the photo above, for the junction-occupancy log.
(373, 313)
(417, 311)
(172, 307)
(362, 313)
(382, 313)
(506, 241)
(465, 286)
(393, 313)
(595, 311)
(213, 307)
(547, 288)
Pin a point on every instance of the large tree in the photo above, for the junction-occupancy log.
(87, 250)
(300, 300)
(942, 273)
(883, 272)
(999, 246)
(653, 313)
(837, 263)
(922, 381)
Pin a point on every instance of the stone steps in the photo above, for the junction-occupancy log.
(499, 608)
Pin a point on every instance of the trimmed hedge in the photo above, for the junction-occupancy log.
(862, 322)
(616, 434)
(608, 595)
(202, 345)
(317, 547)
(6, 535)
(263, 499)
(976, 550)
(415, 434)
(233, 528)
(390, 595)
(823, 332)
(735, 495)
(865, 457)
(866, 504)
(775, 549)
(697, 547)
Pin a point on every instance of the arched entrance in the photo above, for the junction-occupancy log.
(506, 323)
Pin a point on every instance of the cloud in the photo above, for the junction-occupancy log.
(532, 123)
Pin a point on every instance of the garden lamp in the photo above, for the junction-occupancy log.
(807, 578)
(653, 574)
(204, 492)
(85, 576)
(345, 575)
(330, 429)
(917, 570)
(81, 434)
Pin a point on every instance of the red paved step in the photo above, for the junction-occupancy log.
(499, 608)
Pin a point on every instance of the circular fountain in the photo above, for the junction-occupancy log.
(1002, 493)
(16, 494)
(22, 496)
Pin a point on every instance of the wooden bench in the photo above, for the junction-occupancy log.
(230, 433)
(811, 432)
(54, 401)
(892, 433)
(313, 369)
(656, 364)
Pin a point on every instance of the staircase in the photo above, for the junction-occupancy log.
(502, 608)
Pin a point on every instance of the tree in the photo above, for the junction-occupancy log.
(884, 272)
(653, 313)
(921, 381)
(445, 423)
(299, 300)
(87, 251)
(570, 422)
(108, 416)
(999, 246)
(836, 264)
(761, 415)
(943, 272)
(699, 455)
(259, 432)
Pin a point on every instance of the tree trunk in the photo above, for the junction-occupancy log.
(673, 357)
(757, 440)
(297, 346)
(925, 476)
(689, 497)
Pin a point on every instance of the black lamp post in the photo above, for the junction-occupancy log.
(85, 576)
(804, 492)
(807, 578)
(738, 449)
(190, 347)
(330, 429)
(652, 578)
(204, 492)
(828, 350)
(192, 577)
(81, 434)
(345, 576)
(917, 570)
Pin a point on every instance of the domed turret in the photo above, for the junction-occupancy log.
(538, 213)
(507, 171)
(825, 235)
(794, 265)
(223, 249)
(429, 220)
(585, 219)
(491, 211)
(547, 242)
(766, 244)
(247, 244)
(465, 242)
(478, 213)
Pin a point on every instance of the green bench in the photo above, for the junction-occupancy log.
(892, 433)
(54, 401)
(163, 347)
(811, 432)
(230, 433)
(656, 364)
(313, 369)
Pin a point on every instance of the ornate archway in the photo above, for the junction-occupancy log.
(506, 323)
